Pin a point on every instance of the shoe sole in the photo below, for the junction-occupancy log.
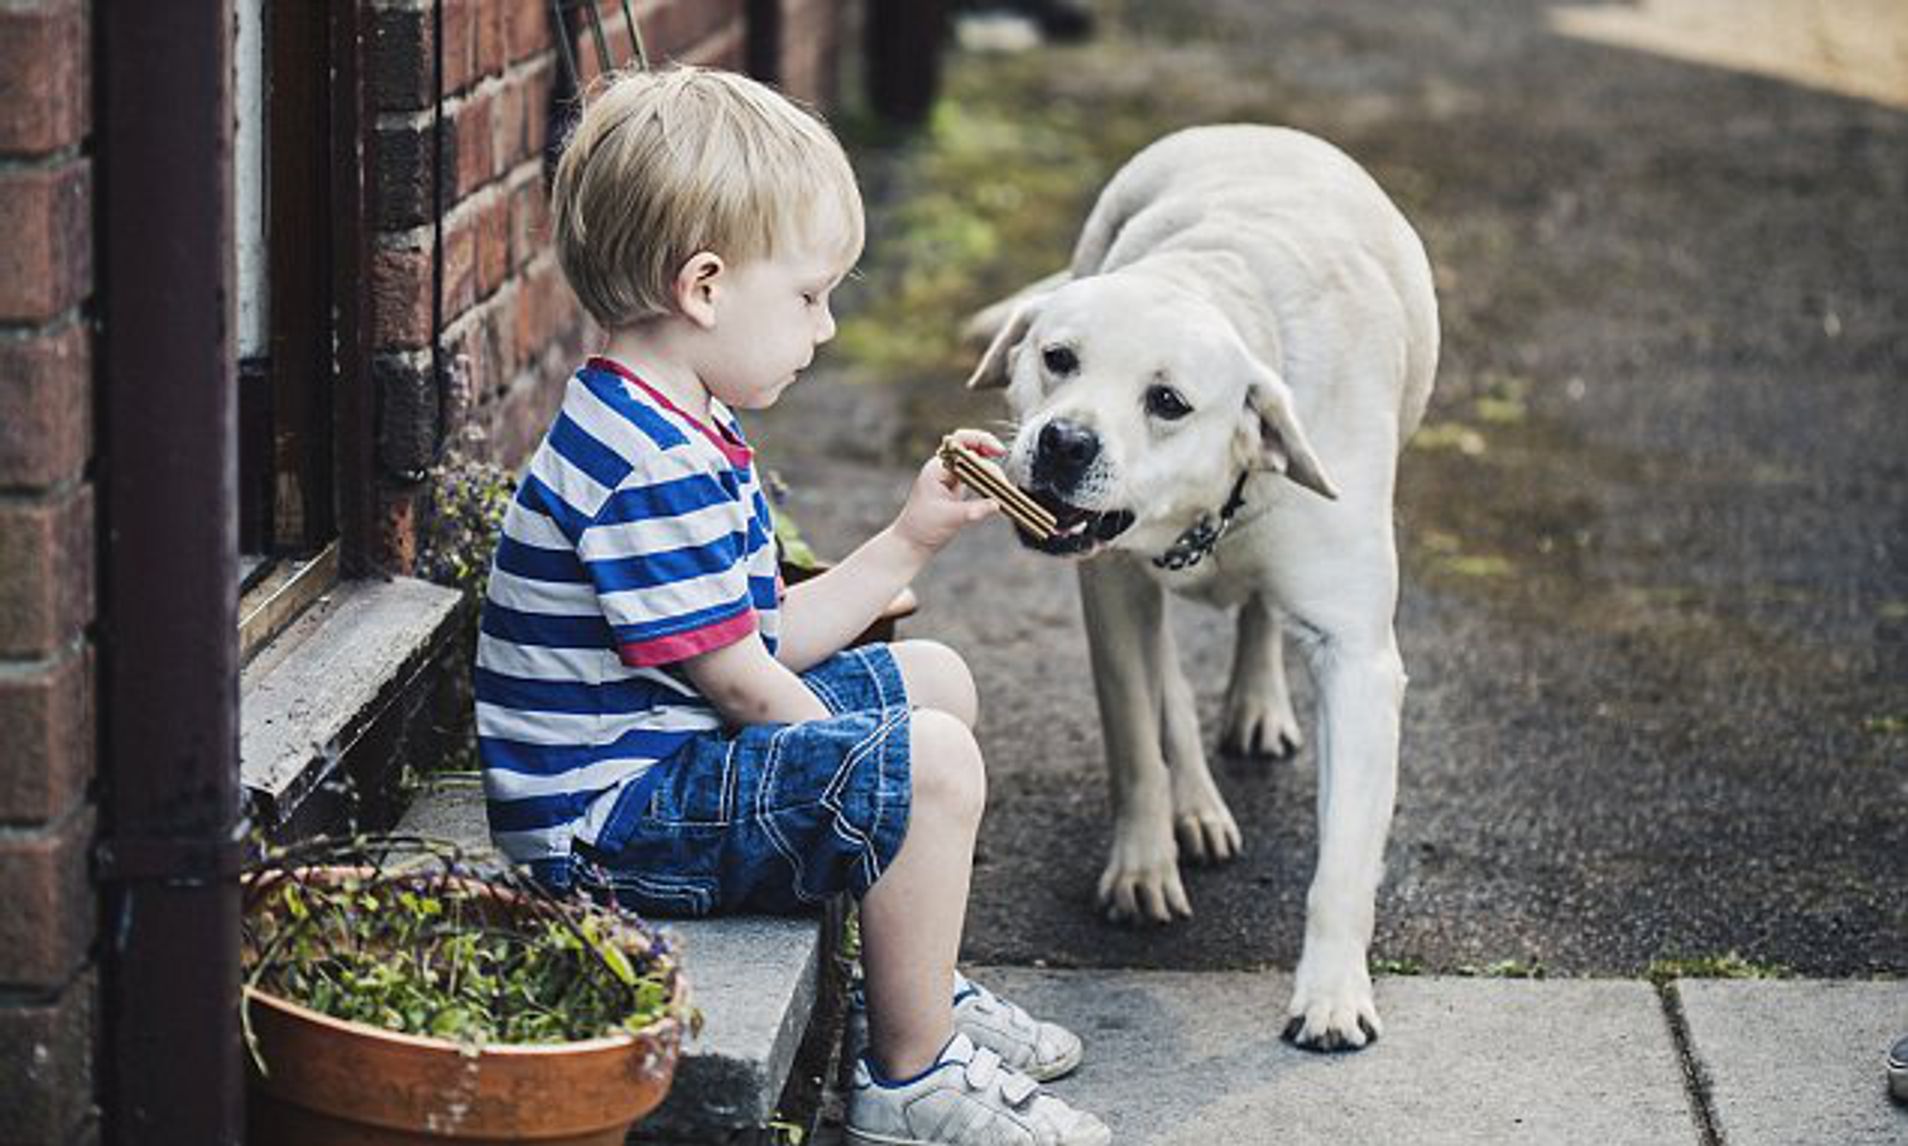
(866, 1138)
(1061, 1069)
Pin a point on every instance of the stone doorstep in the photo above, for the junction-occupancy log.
(317, 687)
(755, 978)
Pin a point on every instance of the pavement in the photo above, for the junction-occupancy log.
(1194, 1058)
(1656, 603)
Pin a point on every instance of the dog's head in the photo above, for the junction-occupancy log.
(1138, 407)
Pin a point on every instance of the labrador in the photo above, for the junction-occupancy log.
(1211, 401)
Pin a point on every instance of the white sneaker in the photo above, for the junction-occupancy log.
(1041, 1050)
(968, 1098)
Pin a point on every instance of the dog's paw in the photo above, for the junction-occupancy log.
(1260, 726)
(1141, 880)
(1332, 1007)
(1202, 823)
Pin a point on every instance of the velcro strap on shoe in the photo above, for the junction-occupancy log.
(982, 1069)
(1018, 1089)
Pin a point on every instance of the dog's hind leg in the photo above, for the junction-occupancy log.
(1258, 716)
(1202, 823)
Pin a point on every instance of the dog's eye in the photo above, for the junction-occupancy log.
(1060, 360)
(1165, 402)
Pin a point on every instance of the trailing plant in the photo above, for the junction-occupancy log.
(397, 932)
(468, 497)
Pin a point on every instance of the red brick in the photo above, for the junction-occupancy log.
(401, 59)
(526, 29)
(521, 417)
(459, 29)
(46, 722)
(43, 78)
(483, 343)
(45, 406)
(507, 139)
(459, 284)
(46, 1054)
(397, 531)
(48, 923)
(529, 218)
(46, 571)
(533, 309)
(493, 240)
(405, 158)
(471, 125)
(400, 297)
(45, 239)
(488, 31)
(723, 49)
(538, 82)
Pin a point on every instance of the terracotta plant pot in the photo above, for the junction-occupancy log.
(333, 1082)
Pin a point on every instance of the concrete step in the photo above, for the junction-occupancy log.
(756, 980)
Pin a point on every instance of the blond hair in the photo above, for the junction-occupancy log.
(668, 163)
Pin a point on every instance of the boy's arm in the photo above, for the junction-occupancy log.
(820, 617)
(748, 686)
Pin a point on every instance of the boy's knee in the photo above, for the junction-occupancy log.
(939, 678)
(947, 766)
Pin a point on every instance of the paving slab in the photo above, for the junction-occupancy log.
(1195, 1058)
(1798, 1062)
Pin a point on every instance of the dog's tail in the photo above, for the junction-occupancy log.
(984, 324)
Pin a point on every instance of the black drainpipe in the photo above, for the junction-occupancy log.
(170, 1068)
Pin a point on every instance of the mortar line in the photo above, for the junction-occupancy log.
(1696, 1085)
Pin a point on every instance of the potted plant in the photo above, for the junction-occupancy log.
(394, 996)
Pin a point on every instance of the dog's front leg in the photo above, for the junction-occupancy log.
(1361, 690)
(1125, 625)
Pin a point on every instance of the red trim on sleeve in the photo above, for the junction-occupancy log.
(681, 646)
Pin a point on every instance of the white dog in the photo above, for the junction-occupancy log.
(1212, 401)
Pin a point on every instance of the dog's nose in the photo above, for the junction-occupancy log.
(1064, 450)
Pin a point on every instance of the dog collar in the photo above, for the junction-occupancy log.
(1192, 546)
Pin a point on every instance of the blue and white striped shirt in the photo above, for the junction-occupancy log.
(638, 537)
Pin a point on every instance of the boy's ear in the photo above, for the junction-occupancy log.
(696, 287)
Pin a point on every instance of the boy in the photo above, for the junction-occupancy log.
(658, 722)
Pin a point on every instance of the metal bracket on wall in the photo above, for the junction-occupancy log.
(593, 23)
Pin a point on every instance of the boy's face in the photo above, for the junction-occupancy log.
(770, 318)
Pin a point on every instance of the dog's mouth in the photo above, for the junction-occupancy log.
(1077, 532)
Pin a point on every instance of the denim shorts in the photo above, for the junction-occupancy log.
(769, 817)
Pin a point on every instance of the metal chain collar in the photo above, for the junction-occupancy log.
(1192, 546)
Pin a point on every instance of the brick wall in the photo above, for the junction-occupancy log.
(473, 324)
(47, 995)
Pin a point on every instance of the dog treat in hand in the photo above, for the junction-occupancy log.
(981, 475)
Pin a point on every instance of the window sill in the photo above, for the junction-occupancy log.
(314, 692)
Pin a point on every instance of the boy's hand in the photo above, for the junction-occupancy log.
(938, 507)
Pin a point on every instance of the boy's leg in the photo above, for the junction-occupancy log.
(911, 917)
(936, 677)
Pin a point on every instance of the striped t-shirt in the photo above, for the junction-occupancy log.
(638, 537)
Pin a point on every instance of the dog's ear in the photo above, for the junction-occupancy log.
(997, 363)
(1282, 444)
